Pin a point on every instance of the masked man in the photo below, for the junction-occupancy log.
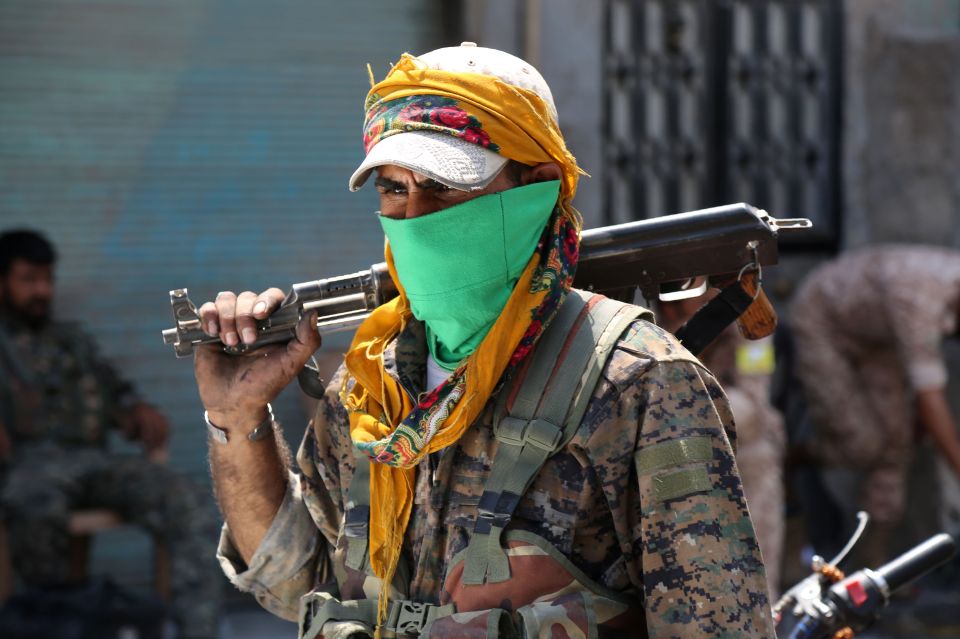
(509, 454)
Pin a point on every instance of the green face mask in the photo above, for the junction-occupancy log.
(459, 265)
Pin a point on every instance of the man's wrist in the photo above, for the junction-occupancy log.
(225, 425)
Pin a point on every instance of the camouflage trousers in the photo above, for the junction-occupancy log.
(45, 484)
(863, 415)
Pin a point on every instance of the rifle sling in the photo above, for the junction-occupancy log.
(707, 324)
(356, 526)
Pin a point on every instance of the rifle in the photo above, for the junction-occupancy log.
(728, 245)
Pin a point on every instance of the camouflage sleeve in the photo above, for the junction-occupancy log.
(693, 550)
(917, 316)
(287, 563)
(326, 462)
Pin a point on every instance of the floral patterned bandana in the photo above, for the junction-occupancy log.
(393, 429)
(423, 113)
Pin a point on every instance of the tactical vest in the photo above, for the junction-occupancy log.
(546, 405)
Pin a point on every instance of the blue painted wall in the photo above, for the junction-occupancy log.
(198, 143)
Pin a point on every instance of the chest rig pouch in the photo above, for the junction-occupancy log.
(502, 571)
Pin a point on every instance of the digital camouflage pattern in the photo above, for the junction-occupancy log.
(872, 323)
(636, 522)
(58, 399)
(761, 438)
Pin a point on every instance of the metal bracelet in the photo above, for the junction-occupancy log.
(221, 435)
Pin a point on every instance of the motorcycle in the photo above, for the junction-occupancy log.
(830, 604)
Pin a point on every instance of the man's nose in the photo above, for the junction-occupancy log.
(43, 288)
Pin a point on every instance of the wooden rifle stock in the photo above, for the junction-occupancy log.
(759, 320)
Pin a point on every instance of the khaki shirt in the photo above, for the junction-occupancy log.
(899, 299)
(686, 549)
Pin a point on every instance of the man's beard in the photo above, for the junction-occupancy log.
(34, 312)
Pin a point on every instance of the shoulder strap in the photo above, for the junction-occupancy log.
(711, 320)
(357, 515)
(542, 417)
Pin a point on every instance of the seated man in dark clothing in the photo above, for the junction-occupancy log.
(58, 399)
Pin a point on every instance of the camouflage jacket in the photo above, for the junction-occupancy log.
(55, 387)
(677, 540)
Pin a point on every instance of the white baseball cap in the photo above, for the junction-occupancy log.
(445, 158)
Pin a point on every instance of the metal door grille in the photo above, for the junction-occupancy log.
(714, 101)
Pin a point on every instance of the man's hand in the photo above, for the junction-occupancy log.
(235, 389)
(145, 423)
(6, 445)
(934, 416)
(250, 478)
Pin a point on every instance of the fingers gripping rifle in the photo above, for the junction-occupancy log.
(729, 245)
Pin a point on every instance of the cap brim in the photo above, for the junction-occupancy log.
(447, 159)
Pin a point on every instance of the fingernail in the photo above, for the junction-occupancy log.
(259, 308)
(212, 328)
(249, 335)
(231, 339)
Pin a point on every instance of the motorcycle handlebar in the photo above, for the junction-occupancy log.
(917, 561)
(856, 600)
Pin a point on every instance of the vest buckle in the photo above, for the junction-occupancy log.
(409, 618)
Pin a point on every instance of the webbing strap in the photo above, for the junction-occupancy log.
(707, 323)
(544, 416)
(538, 374)
(411, 617)
(357, 516)
(404, 617)
(316, 609)
(604, 346)
(485, 559)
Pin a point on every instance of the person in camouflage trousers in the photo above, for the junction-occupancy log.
(637, 525)
(58, 399)
(868, 330)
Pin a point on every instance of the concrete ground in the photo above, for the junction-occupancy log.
(250, 621)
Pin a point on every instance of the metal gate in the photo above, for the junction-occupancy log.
(715, 101)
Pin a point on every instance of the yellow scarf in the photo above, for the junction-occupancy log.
(385, 423)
